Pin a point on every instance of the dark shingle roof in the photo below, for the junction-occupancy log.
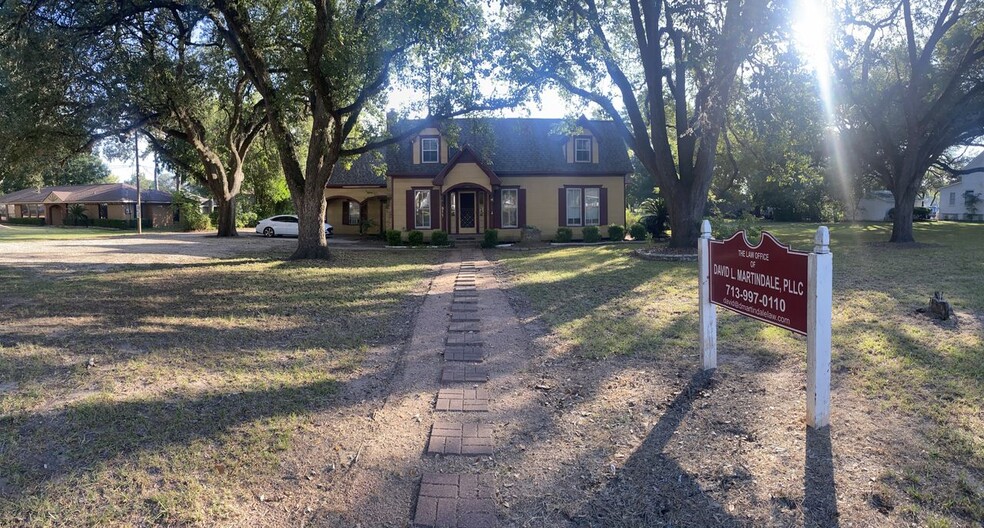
(366, 169)
(516, 146)
(103, 192)
(507, 146)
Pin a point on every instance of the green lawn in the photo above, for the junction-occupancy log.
(20, 233)
(164, 394)
(603, 303)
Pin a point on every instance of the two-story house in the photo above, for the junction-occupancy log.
(469, 175)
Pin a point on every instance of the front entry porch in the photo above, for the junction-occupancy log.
(466, 210)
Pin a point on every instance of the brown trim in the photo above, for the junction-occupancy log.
(420, 142)
(350, 198)
(592, 186)
(367, 186)
(466, 186)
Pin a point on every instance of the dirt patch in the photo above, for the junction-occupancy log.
(626, 441)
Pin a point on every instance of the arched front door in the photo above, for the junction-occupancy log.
(56, 215)
(466, 210)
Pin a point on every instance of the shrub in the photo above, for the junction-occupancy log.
(26, 221)
(415, 238)
(491, 238)
(655, 224)
(190, 212)
(439, 238)
(637, 231)
(591, 234)
(246, 219)
(616, 232)
(721, 228)
(394, 237)
(77, 215)
(564, 234)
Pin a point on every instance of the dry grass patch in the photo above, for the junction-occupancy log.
(170, 394)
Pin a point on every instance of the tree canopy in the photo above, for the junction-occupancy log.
(911, 86)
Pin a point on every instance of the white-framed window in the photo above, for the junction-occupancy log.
(953, 198)
(354, 212)
(422, 209)
(573, 206)
(592, 206)
(429, 147)
(510, 208)
(582, 150)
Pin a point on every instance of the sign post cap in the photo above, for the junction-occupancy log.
(705, 229)
(821, 242)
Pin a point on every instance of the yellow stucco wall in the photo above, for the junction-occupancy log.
(467, 173)
(400, 187)
(542, 206)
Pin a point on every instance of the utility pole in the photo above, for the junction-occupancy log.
(136, 163)
(157, 167)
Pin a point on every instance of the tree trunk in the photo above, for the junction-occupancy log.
(227, 217)
(685, 214)
(311, 241)
(902, 220)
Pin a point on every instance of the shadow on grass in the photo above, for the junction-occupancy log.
(820, 492)
(652, 489)
(84, 435)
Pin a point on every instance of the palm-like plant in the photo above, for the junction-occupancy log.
(77, 215)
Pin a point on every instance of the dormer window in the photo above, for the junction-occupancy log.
(582, 150)
(429, 147)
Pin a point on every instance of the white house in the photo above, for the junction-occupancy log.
(953, 198)
(875, 206)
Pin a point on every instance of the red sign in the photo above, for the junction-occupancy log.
(767, 282)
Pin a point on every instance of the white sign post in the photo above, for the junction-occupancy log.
(708, 312)
(819, 312)
(818, 320)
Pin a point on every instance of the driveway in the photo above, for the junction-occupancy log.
(156, 248)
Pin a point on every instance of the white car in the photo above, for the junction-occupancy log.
(283, 225)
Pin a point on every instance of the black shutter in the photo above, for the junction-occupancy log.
(435, 208)
(603, 194)
(410, 210)
(345, 212)
(562, 207)
(497, 209)
(522, 208)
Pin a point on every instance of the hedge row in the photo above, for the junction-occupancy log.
(25, 221)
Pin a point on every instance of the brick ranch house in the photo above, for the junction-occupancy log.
(469, 175)
(110, 201)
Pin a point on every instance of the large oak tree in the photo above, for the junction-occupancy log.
(911, 84)
(662, 70)
(329, 64)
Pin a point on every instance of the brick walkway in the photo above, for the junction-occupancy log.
(460, 500)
